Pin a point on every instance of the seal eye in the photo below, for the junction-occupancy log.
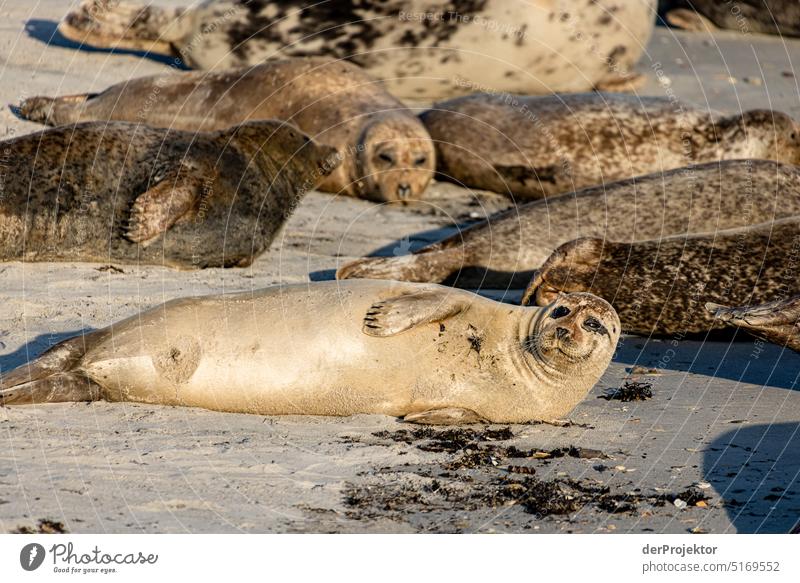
(560, 312)
(420, 161)
(593, 325)
(386, 157)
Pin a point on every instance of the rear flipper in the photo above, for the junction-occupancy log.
(53, 111)
(51, 378)
(123, 25)
(778, 322)
(433, 266)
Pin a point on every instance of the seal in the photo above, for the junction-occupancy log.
(777, 322)
(386, 152)
(130, 193)
(661, 286)
(424, 49)
(780, 17)
(503, 251)
(539, 146)
(430, 354)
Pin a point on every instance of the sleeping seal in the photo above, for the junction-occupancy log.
(386, 152)
(780, 17)
(503, 250)
(131, 193)
(423, 48)
(539, 146)
(428, 353)
(661, 286)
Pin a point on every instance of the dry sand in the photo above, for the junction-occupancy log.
(724, 415)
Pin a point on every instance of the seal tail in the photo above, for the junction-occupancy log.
(425, 267)
(122, 25)
(50, 378)
(53, 111)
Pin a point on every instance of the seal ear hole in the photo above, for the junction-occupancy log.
(560, 312)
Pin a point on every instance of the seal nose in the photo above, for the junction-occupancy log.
(403, 190)
(562, 333)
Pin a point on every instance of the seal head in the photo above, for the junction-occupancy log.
(395, 161)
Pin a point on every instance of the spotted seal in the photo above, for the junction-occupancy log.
(503, 250)
(130, 193)
(533, 146)
(661, 286)
(386, 152)
(427, 49)
(430, 354)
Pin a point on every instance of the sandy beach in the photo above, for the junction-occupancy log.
(716, 448)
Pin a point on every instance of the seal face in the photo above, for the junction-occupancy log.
(386, 152)
(660, 286)
(395, 344)
(778, 321)
(422, 48)
(131, 193)
(533, 147)
(504, 250)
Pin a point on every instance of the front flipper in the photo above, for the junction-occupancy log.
(446, 416)
(157, 209)
(401, 313)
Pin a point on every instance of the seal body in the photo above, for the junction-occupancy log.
(131, 193)
(386, 151)
(746, 16)
(661, 286)
(423, 49)
(539, 146)
(429, 353)
(503, 250)
(777, 321)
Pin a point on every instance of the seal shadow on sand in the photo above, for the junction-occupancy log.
(756, 470)
(735, 356)
(34, 348)
(47, 32)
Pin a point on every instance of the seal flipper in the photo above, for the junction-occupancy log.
(50, 378)
(446, 416)
(401, 313)
(157, 209)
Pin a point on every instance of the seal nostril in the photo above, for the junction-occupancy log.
(403, 190)
(562, 333)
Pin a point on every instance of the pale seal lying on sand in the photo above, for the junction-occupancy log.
(386, 151)
(746, 16)
(539, 146)
(778, 321)
(131, 193)
(503, 250)
(661, 286)
(428, 353)
(423, 48)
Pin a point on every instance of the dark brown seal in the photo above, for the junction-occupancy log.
(746, 16)
(131, 193)
(539, 146)
(778, 321)
(422, 48)
(504, 250)
(661, 286)
(386, 151)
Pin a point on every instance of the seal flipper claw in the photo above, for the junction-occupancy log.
(446, 416)
(395, 315)
(157, 209)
